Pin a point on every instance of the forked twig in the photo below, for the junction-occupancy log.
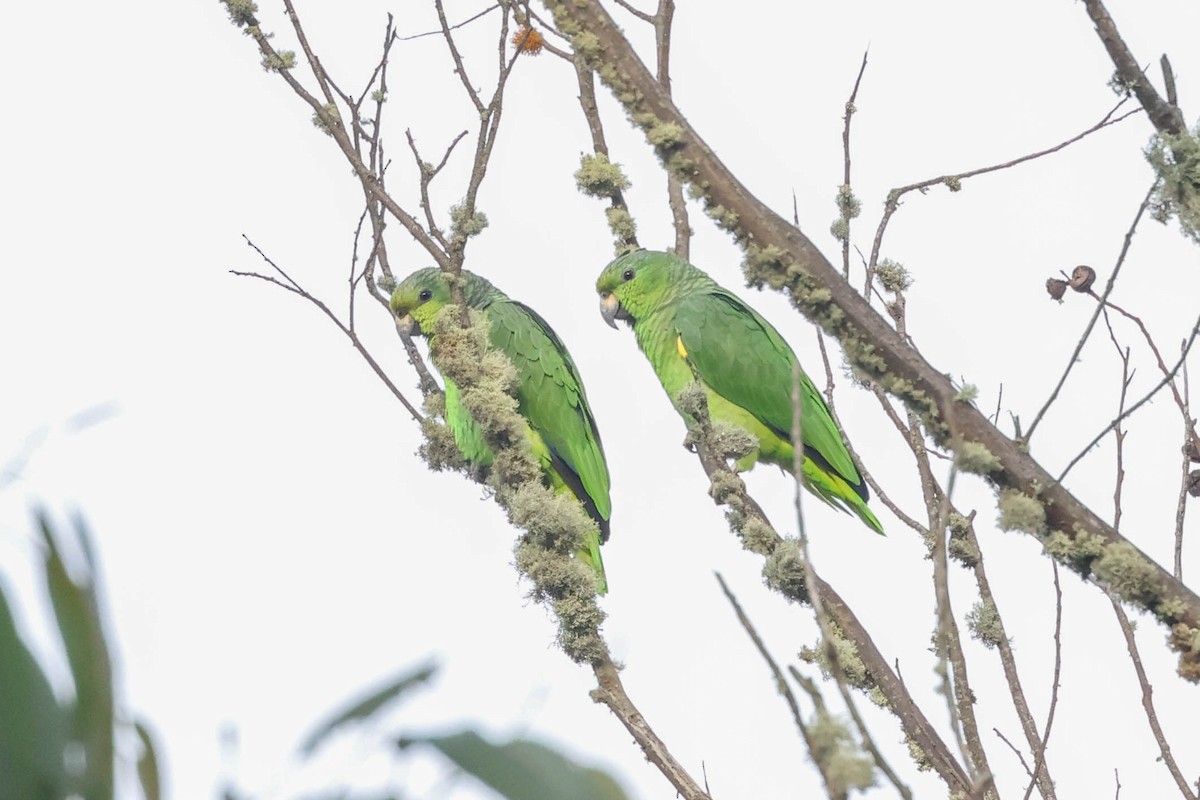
(292, 286)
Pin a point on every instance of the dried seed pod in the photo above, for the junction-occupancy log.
(1057, 288)
(1191, 448)
(1193, 485)
(1082, 278)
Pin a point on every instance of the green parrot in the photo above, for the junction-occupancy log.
(680, 315)
(550, 395)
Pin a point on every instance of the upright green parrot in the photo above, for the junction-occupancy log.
(681, 315)
(550, 396)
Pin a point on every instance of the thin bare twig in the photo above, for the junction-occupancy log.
(1040, 761)
(454, 27)
(662, 48)
(1164, 748)
(849, 113)
(1149, 395)
(1008, 662)
(290, 285)
(782, 686)
(1179, 401)
(956, 686)
(1190, 446)
(892, 203)
(459, 69)
(1016, 751)
(952, 662)
(1087, 331)
(611, 692)
(642, 15)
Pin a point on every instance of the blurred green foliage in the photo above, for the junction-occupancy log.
(53, 748)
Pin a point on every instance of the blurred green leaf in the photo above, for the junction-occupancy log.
(367, 706)
(33, 728)
(147, 765)
(524, 770)
(82, 633)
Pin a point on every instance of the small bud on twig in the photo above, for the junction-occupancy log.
(1082, 278)
(1191, 448)
(1057, 288)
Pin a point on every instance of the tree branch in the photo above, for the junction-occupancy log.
(1166, 118)
(781, 256)
(611, 692)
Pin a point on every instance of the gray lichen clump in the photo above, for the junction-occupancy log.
(241, 12)
(275, 62)
(1132, 577)
(623, 226)
(1176, 159)
(1020, 512)
(439, 450)
(1078, 551)
(892, 276)
(731, 441)
(961, 545)
(849, 207)
(842, 762)
(327, 119)
(554, 524)
(784, 571)
(975, 457)
(846, 652)
(465, 223)
(599, 177)
(983, 620)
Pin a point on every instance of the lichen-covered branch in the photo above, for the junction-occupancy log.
(779, 255)
(1166, 117)
(553, 525)
(786, 572)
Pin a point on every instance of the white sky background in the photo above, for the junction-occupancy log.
(270, 543)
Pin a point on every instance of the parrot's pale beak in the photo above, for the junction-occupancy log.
(407, 325)
(610, 309)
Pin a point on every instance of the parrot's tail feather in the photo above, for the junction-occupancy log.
(590, 555)
(835, 491)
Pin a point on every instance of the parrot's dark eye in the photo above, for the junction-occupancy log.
(424, 295)
(627, 275)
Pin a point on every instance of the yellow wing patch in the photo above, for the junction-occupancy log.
(679, 346)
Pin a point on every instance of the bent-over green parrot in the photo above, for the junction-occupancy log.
(550, 396)
(680, 315)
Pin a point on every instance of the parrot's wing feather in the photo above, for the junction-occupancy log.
(745, 360)
(552, 398)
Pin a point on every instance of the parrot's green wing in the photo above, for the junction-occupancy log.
(745, 360)
(552, 399)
